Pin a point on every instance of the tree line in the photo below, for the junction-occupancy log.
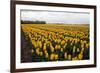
(33, 22)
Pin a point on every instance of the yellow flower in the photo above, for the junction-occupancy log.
(37, 51)
(80, 56)
(62, 42)
(87, 45)
(47, 55)
(52, 56)
(82, 49)
(44, 47)
(78, 50)
(57, 47)
(69, 57)
(65, 55)
(82, 45)
(40, 44)
(74, 48)
(65, 45)
(61, 49)
(56, 56)
(41, 53)
(52, 48)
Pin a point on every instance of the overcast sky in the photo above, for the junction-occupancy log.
(56, 17)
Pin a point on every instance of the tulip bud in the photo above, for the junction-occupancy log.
(69, 57)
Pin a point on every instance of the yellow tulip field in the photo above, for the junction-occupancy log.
(54, 42)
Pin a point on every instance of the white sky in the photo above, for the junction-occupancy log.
(56, 17)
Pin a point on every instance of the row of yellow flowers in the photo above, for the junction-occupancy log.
(57, 42)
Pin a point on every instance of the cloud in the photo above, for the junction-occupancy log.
(56, 17)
